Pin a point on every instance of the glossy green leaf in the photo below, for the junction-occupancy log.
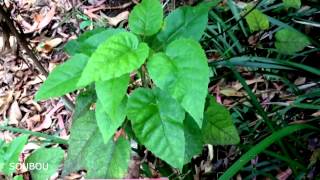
(292, 3)
(63, 79)
(183, 71)
(119, 55)
(193, 138)
(289, 41)
(218, 128)
(49, 158)
(88, 42)
(257, 20)
(146, 17)
(184, 22)
(107, 125)
(157, 120)
(88, 151)
(11, 154)
(111, 92)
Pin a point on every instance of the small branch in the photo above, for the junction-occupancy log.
(25, 45)
(54, 139)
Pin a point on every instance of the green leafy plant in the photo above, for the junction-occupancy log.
(165, 112)
(256, 19)
(9, 154)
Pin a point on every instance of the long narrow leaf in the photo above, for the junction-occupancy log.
(261, 146)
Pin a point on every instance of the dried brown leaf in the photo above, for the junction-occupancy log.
(114, 21)
(5, 101)
(47, 18)
(48, 45)
(15, 114)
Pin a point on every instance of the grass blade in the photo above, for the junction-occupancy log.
(261, 146)
(52, 138)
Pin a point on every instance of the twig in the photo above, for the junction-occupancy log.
(25, 45)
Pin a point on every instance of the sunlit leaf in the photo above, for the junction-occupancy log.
(157, 121)
(146, 17)
(119, 55)
(63, 79)
(184, 73)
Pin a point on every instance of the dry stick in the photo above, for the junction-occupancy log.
(21, 40)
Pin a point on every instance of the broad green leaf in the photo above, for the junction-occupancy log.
(118, 158)
(193, 138)
(88, 151)
(157, 121)
(75, 46)
(183, 71)
(18, 178)
(106, 124)
(292, 3)
(88, 42)
(63, 79)
(184, 22)
(11, 155)
(218, 128)
(49, 158)
(257, 20)
(290, 41)
(119, 55)
(111, 92)
(83, 102)
(146, 17)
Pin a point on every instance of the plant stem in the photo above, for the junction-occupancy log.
(143, 76)
(38, 134)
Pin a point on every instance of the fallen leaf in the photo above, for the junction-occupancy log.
(40, 21)
(239, 86)
(46, 123)
(284, 175)
(5, 101)
(33, 120)
(316, 114)
(300, 81)
(14, 113)
(114, 21)
(48, 45)
(47, 19)
(231, 92)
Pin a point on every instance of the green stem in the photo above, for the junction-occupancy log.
(38, 134)
(143, 76)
